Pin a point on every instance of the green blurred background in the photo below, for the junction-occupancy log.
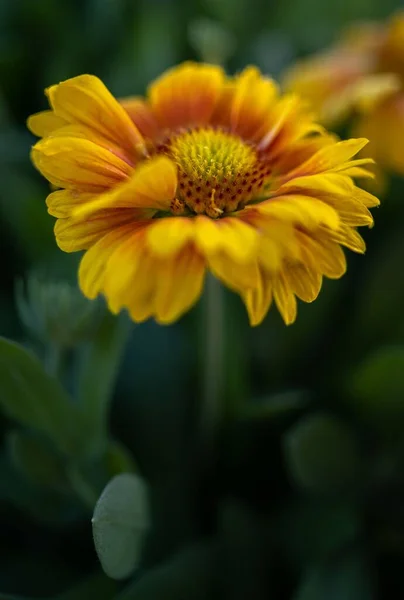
(305, 496)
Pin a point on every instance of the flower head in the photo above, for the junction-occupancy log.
(362, 74)
(206, 173)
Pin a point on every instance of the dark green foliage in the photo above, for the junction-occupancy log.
(303, 496)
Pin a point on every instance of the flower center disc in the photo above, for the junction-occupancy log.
(217, 171)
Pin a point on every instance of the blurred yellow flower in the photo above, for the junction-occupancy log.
(206, 173)
(363, 74)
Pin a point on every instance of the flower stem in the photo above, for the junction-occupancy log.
(55, 360)
(213, 359)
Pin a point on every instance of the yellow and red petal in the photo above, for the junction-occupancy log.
(75, 233)
(186, 95)
(329, 157)
(86, 100)
(85, 133)
(384, 126)
(286, 124)
(77, 163)
(43, 123)
(152, 186)
(142, 116)
(252, 99)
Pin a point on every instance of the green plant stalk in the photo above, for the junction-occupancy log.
(98, 371)
(214, 368)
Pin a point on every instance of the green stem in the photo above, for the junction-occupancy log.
(213, 359)
(82, 488)
(54, 360)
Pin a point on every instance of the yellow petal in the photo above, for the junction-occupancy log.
(258, 299)
(303, 281)
(76, 233)
(93, 264)
(237, 276)
(86, 100)
(277, 240)
(179, 283)
(43, 123)
(329, 157)
(167, 236)
(78, 163)
(351, 211)
(152, 185)
(322, 255)
(121, 273)
(186, 95)
(349, 237)
(299, 209)
(229, 235)
(285, 299)
(252, 100)
(62, 203)
(86, 133)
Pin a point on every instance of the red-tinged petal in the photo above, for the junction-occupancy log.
(186, 95)
(153, 185)
(142, 115)
(76, 233)
(252, 100)
(77, 163)
(86, 100)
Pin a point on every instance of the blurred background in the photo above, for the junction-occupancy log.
(305, 497)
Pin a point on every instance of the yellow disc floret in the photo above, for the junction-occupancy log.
(217, 171)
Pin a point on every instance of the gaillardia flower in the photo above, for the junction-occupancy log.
(206, 173)
(362, 75)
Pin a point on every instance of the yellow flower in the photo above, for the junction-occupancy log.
(364, 74)
(206, 173)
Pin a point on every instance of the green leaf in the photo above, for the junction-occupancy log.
(39, 503)
(98, 370)
(348, 578)
(97, 587)
(118, 459)
(34, 399)
(121, 518)
(8, 597)
(377, 387)
(188, 575)
(311, 529)
(277, 405)
(322, 454)
(36, 460)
